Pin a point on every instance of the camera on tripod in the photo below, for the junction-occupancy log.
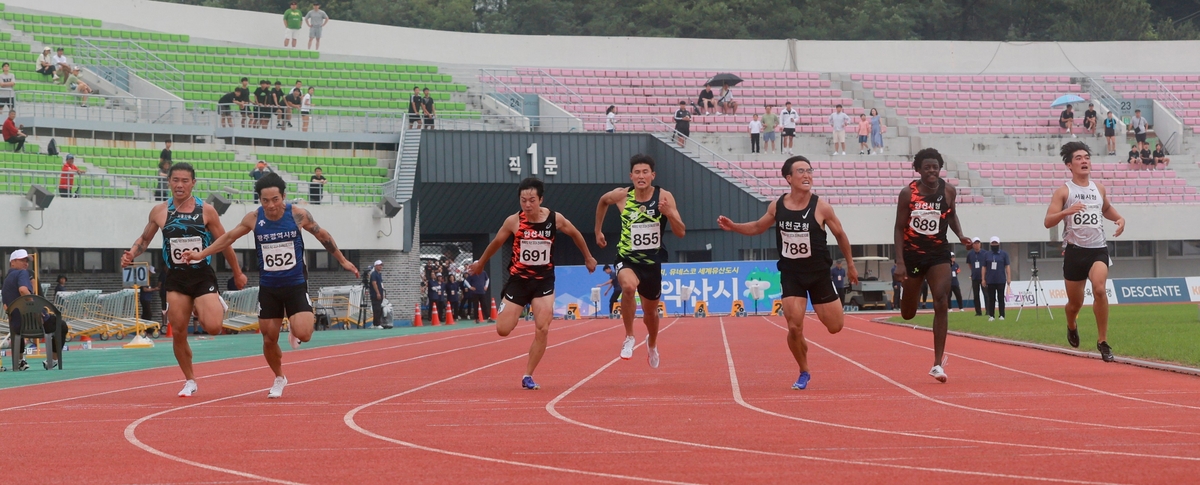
(1034, 255)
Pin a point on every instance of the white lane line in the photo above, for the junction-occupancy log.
(349, 420)
(551, 408)
(737, 396)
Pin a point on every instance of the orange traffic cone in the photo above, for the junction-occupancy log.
(169, 330)
(449, 315)
(479, 314)
(433, 310)
(417, 316)
(493, 317)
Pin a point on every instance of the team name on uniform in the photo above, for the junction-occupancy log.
(922, 205)
(1087, 196)
(536, 234)
(275, 236)
(793, 226)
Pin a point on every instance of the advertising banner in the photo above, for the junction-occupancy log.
(1193, 284)
(1152, 290)
(1053, 290)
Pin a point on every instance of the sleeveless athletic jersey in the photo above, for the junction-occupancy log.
(801, 241)
(185, 231)
(926, 231)
(642, 226)
(1086, 227)
(532, 247)
(280, 250)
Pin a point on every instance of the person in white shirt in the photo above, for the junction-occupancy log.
(610, 119)
(725, 102)
(838, 120)
(1139, 126)
(306, 108)
(7, 81)
(60, 64)
(45, 63)
(756, 127)
(787, 119)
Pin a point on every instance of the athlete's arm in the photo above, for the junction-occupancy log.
(952, 220)
(903, 213)
(506, 230)
(1059, 199)
(613, 196)
(569, 229)
(305, 220)
(1110, 212)
(825, 213)
(212, 220)
(139, 246)
(667, 204)
(750, 228)
(226, 240)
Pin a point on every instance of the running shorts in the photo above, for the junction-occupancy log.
(1077, 261)
(817, 287)
(649, 278)
(191, 282)
(279, 302)
(522, 291)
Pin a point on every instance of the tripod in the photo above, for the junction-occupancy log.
(1035, 285)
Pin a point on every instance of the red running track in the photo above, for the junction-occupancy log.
(447, 408)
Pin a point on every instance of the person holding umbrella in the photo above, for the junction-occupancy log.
(1066, 119)
(726, 102)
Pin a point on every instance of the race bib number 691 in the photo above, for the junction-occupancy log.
(535, 252)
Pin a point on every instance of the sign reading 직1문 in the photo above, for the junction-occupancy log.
(1152, 290)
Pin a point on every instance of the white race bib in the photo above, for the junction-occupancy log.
(1088, 217)
(796, 245)
(179, 245)
(645, 235)
(535, 252)
(925, 222)
(280, 256)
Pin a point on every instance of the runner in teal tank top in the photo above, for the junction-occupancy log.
(645, 210)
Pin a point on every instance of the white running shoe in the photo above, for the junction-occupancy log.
(652, 357)
(938, 373)
(189, 388)
(843, 152)
(627, 348)
(277, 388)
(1002, 317)
(991, 319)
(294, 341)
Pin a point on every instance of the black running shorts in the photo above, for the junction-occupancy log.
(191, 282)
(283, 301)
(1077, 261)
(649, 278)
(522, 291)
(917, 265)
(817, 287)
(789, 132)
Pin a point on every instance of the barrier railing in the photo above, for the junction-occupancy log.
(116, 60)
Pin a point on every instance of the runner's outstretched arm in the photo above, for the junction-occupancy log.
(1110, 212)
(903, 213)
(213, 222)
(506, 230)
(835, 227)
(139, 245)
(750, 228)
(614, 196)
(569, 229)
(952, 201)
(224, 241)
(668, 209)
(305, 220)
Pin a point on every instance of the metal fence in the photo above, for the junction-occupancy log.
(115, 61)
(519, 81)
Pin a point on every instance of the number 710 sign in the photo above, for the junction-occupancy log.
(137, 274)
(550, 164)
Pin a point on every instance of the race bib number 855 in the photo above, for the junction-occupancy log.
(280, 256)
(925, 222)
(180, 245)
(645, 235)
(535, 252)
(796, 245)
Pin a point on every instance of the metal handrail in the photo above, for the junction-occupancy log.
(506, 94)
(1105, 98)
(576, 99)
(123, 53)
(1171, 102)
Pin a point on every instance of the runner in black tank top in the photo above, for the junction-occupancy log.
(926, 209)
(186, 223)
(801, 219)
(531, 270)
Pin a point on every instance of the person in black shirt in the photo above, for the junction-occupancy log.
(1160, 157)
(415, 105)
(263, 104)
(1089, 119)
(1066, 120)
(279, 106)
(316, 184)
(1135, 157)
(1147, 159)
(290, 103)
(245, 106)
(706, 100)
(164, 171)
(683, 123)
(427, 109)
(225, 106)
(165, 155)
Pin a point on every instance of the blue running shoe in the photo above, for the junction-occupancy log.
(527, 383)
(802, 382)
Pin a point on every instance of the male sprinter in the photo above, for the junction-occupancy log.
(187, 224)
(640, 253)
(800, 218)
(283, 278)
(531, 271)
(1080, 204)
(925, 210)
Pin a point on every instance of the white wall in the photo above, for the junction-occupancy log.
(929, 57)
(1165, 125)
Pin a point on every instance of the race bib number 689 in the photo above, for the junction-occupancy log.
(925, 222)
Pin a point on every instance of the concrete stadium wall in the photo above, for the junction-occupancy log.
(925, 57)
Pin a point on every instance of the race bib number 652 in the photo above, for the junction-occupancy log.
(925, 222)
(280, 256)
(180, 245)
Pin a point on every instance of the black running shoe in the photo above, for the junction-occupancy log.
(23, 365)
(1073, 337)
(1105, 352)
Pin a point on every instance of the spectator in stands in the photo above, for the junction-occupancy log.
(477, 288)
(306, 104)
(291, 103)
(7, 81)
(164, 173)
(246, 107)
(293, 19)
(316, 186)
(415, 106)
(1161, 160)
(66, 180)
(225, 106)
(12, 133)
(1139, 126)
(279, 105)
(838, 120)
(1135, 156)
(427, 109)
(260, 169)
(769, 122)
(75, 83)
(864, 134)
(61, 284)
(756, 127)
(707, 105)
(997, 277)
(1147, 157)
(61, 64)
(877, 131)
(316, 20)
(683, 124)
(788, 119)
(1089, 119)
(1110, 133)
(1066, 119)
(837, 274)
(726, 102)
(263, 105)
(45, 64)
(165, 154)
(610, 119)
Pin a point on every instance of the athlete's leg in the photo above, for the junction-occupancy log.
(650, 318)
(179, 312)
(210, 309)
(1099, 276)
(506, 321)
(831, 315)
(939, 284)
(629, 283)
(1075, 291)
(909, 297)
(543, 313)
(793, 312)
(269, 327)
(301, 325)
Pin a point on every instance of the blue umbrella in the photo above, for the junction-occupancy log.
(1066, 99)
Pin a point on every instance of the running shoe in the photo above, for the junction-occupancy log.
(652, 356)
(1073, 337)
(938, 373)
(627, 348)
(802, 382)
(277, 388)
(49, 364)
(527, 383)
(23, 365)
(294, 341)
(189, 388)
(1105, 352)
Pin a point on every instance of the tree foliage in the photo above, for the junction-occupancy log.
(977, 20)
